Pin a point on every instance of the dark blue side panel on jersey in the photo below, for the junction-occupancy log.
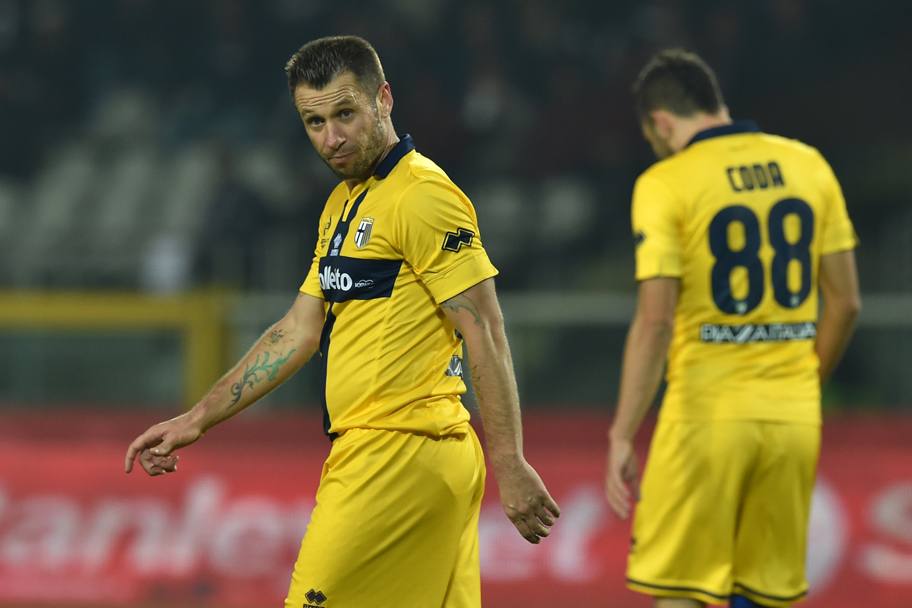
(343, 278)
(324, 367)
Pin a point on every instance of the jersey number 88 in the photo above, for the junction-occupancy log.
(748, 257)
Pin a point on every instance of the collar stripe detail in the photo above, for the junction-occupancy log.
(735, 128)
(404, 146)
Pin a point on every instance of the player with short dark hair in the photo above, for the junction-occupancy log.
(399, 282)
(319, 61)
(738, 235)
(678, 81)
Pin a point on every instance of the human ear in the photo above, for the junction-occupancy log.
(662, 123)
(385, 100)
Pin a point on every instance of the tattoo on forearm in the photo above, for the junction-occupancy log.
(275, 335)
(252, 376)
(463, 302)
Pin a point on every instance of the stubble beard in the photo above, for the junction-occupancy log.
(367, 155)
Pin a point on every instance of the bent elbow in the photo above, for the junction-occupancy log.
(853, 311)
(665, 330)
(856, 303)
(848, 306)
(310, 345)
(854, 307)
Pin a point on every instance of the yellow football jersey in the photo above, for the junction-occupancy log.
(742, 218)
(388, 252)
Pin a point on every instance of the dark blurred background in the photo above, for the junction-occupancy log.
(150, 148)
(158, 210)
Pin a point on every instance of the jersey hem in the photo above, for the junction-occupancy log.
(746, 418)
(457, 428)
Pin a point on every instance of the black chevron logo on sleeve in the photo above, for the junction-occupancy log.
(453, 241)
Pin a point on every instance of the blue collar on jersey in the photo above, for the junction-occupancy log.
(739, 126)
(386, 165)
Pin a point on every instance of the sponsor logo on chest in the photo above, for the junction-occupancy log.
(345, 278)
(334, 278)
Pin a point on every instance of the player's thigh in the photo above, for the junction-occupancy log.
(390, 513)
(772, 541)
(464, 588)
(685, 522)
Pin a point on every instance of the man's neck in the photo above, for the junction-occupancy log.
(391, 142)
(691, 126)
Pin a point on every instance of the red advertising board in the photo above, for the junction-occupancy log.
(223, 531)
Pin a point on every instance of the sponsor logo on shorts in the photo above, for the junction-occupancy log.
(315, 599)
(751, 333)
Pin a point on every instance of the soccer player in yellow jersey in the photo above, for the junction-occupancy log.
(738, 235)
(399, 281)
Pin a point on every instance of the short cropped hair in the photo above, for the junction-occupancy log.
(679, 81)
(319, 61)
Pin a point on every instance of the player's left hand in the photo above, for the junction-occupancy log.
(526, 501)
(621, 477)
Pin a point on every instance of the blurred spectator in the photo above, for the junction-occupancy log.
(236, 227)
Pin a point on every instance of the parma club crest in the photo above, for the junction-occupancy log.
(363, 234)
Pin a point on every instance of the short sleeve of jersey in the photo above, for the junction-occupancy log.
(836, 231)
(655, 217)
(439, 238)
(311, 285)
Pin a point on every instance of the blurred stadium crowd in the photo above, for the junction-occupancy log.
(151, 144)
(155, 143)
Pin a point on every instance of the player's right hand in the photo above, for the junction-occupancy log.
(157, 465)
(621, 477)
(154, 447)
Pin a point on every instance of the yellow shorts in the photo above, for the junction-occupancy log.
(723, 510)
(395, 524)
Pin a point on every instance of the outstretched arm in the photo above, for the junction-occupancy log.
(644, 359)
(477, 315)
(279, 353)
